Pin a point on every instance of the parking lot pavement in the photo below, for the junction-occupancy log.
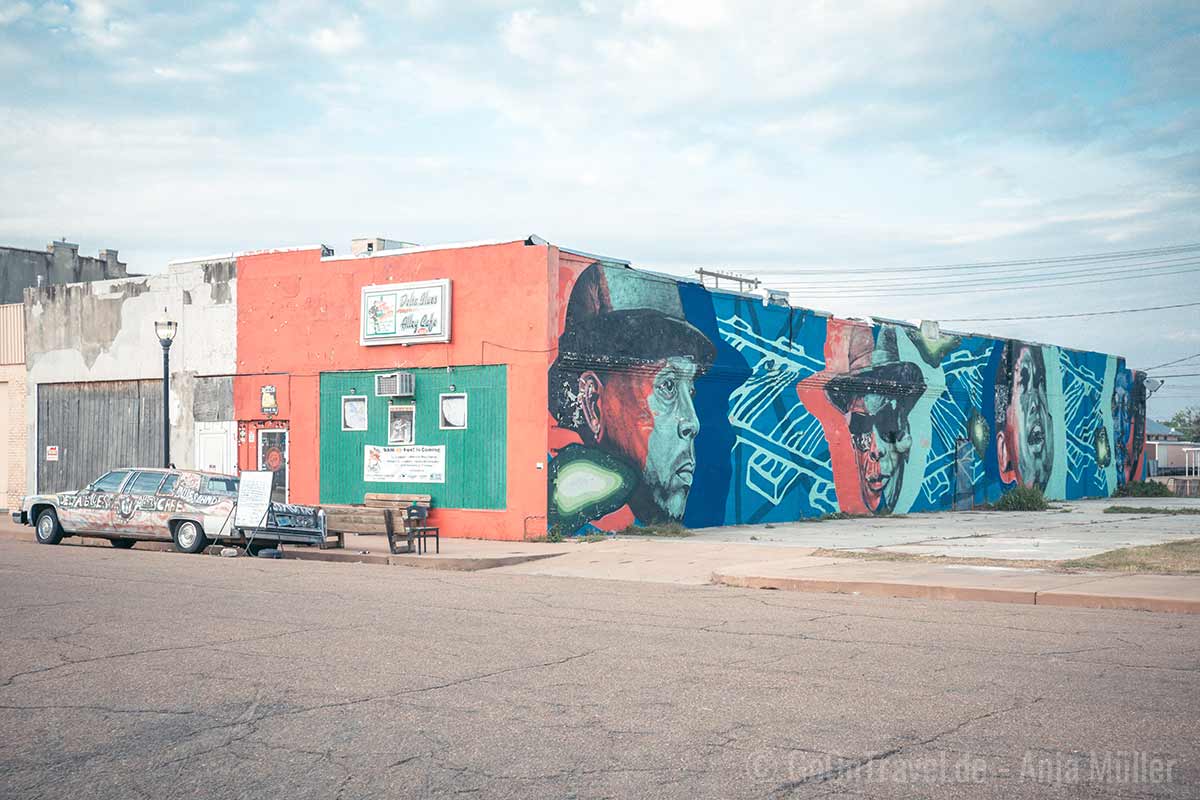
(1072, 529)
(130, 673)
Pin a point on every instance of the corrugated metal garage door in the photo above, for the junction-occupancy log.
(97, 427)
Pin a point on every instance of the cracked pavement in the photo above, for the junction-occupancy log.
(148, 674)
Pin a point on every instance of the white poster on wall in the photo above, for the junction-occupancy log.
(408, 464)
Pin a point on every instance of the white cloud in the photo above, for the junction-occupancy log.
(339, 38)
(527, 33)
(11, 12)
(54, 14)
(686, 14)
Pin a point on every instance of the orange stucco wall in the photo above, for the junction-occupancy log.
(298, 316)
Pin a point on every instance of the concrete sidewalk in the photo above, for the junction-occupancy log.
(464, 555)
(1173, 593)
(759, 566)
(1074, 529)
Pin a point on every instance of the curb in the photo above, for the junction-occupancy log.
(1168, 605)
(912, 591)
(916, 591)
(466, 564)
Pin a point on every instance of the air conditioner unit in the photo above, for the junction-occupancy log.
(395, 384)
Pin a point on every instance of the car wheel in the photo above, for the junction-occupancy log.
(47, 528)
(189, 537)
(122, 543)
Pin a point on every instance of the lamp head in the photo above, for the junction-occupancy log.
(165, 329)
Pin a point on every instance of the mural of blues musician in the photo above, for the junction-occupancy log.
(623, 381)
(660, 386)
(1024, 426)
(1129, 422)
(876, 396)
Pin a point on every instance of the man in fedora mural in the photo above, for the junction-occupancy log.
(623, 381)
(876, 396)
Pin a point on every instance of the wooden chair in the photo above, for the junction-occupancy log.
(414, 526)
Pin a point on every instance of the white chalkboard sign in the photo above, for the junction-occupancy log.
(254, 499)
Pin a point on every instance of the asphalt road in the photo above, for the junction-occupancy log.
(147, 674)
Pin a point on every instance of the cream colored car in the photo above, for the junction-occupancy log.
(126, 506)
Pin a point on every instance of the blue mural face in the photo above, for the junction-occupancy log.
(674, 403)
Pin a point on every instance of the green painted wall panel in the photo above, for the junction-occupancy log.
(475, 458)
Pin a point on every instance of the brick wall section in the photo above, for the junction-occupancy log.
(12, 429)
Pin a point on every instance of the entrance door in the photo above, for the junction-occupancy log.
(964, 475)
(273, 455)
(215, 446)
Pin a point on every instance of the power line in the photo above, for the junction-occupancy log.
(1179, 375)
(1025, 273)
(1178, 360)
(1095, 257)
(971, 283)
(973, 290)
(1084, 314)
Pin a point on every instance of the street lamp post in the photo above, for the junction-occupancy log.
(166, 329)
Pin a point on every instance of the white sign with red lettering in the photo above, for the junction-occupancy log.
(52, 452)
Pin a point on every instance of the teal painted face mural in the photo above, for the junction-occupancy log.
(624, 381)
(1024, 429)
(673, 403)
(670, 449)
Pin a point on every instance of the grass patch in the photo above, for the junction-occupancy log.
(671, 529)
(833, 515)
(845, 515)
(1143, 489)
(554, 536)
(1149, 510)
(1171, 558)
(1021, 498)
(918, 558)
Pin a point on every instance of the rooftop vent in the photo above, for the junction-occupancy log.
(370, 245)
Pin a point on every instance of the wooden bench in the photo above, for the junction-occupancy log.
(385, 514)
(355, 519)
(394, 501)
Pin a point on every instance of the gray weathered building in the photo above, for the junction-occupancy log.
(94, 381)
(60, 262)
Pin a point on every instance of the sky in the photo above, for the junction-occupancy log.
(798, 142)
